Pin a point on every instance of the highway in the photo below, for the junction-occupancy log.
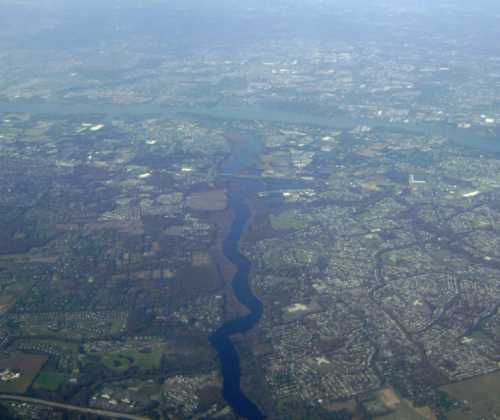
(104, 413)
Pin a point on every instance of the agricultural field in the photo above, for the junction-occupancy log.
(215, 200)
(49, 381)
(287, 220)
(64, 354)
(144, 359)
(479, 397)
(28, 365)
(406, 411)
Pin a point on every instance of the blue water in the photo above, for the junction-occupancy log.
(245, 149)
(475, 137)
(221, 338)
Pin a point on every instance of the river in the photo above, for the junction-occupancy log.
(245, 150)
(474, 137)
(221, 338)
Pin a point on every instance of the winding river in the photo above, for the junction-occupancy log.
(221, 338)
(244, 153)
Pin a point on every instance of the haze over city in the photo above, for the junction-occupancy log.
(250, 209)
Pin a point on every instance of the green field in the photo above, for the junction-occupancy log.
(49, 381)
(480, 396)
(28, 365)
(66, 350)
(144, 360)
(117, 361)
(287, 220)
(404, 411)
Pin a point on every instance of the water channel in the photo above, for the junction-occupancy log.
(473, 137)
(221, 338)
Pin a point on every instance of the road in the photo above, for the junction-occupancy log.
(103, 413)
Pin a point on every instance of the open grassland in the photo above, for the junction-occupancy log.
(144, 359)
(480, 397)
(215, 200)
(28, 365)
(49, 381)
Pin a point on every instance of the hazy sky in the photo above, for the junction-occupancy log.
(64, 23)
